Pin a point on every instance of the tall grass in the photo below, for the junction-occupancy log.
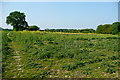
(66, 51)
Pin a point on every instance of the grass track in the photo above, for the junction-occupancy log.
(61, 55)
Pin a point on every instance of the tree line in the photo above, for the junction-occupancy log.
(72, 30)
(17, 20)
(109, 28)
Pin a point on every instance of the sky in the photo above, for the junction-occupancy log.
(59, 0)
(119, 11)
(63, 15)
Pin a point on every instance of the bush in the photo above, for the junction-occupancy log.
(87, 30)
(33, 28)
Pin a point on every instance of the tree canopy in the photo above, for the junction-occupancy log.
(115, 27)
(72, 30)
(104, 29)
(17, 20)
(33, 28)
(109, 28)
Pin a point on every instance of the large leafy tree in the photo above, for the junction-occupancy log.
(115, 27)
(17, 20)
(104, 29)
(99, 29)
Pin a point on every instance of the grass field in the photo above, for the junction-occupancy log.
(35, 54)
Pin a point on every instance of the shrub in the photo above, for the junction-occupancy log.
(33, 28)
(87, 30)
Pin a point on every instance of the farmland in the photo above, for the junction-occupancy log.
(40, 54)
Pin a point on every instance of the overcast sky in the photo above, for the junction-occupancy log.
(73, 15)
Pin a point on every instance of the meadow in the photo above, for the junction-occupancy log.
(41, 54)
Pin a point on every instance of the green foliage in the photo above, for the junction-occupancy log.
(99, 29)
(63, 30)
(45, 55)
(33, 28)
(79, 64)
(86, 71)
(114, 57)
(115, 27)
(17, 20)
(104, 29)
(87, 31)
(113, 38)
(5, 48)
(40, 75)
(69, 67)
(73, 66)
(108, 28)
(60, 54)
(72, 30)
(110, 70)
(34, 65)
(38, 42)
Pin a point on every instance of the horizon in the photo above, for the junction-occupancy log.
(63, 15)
